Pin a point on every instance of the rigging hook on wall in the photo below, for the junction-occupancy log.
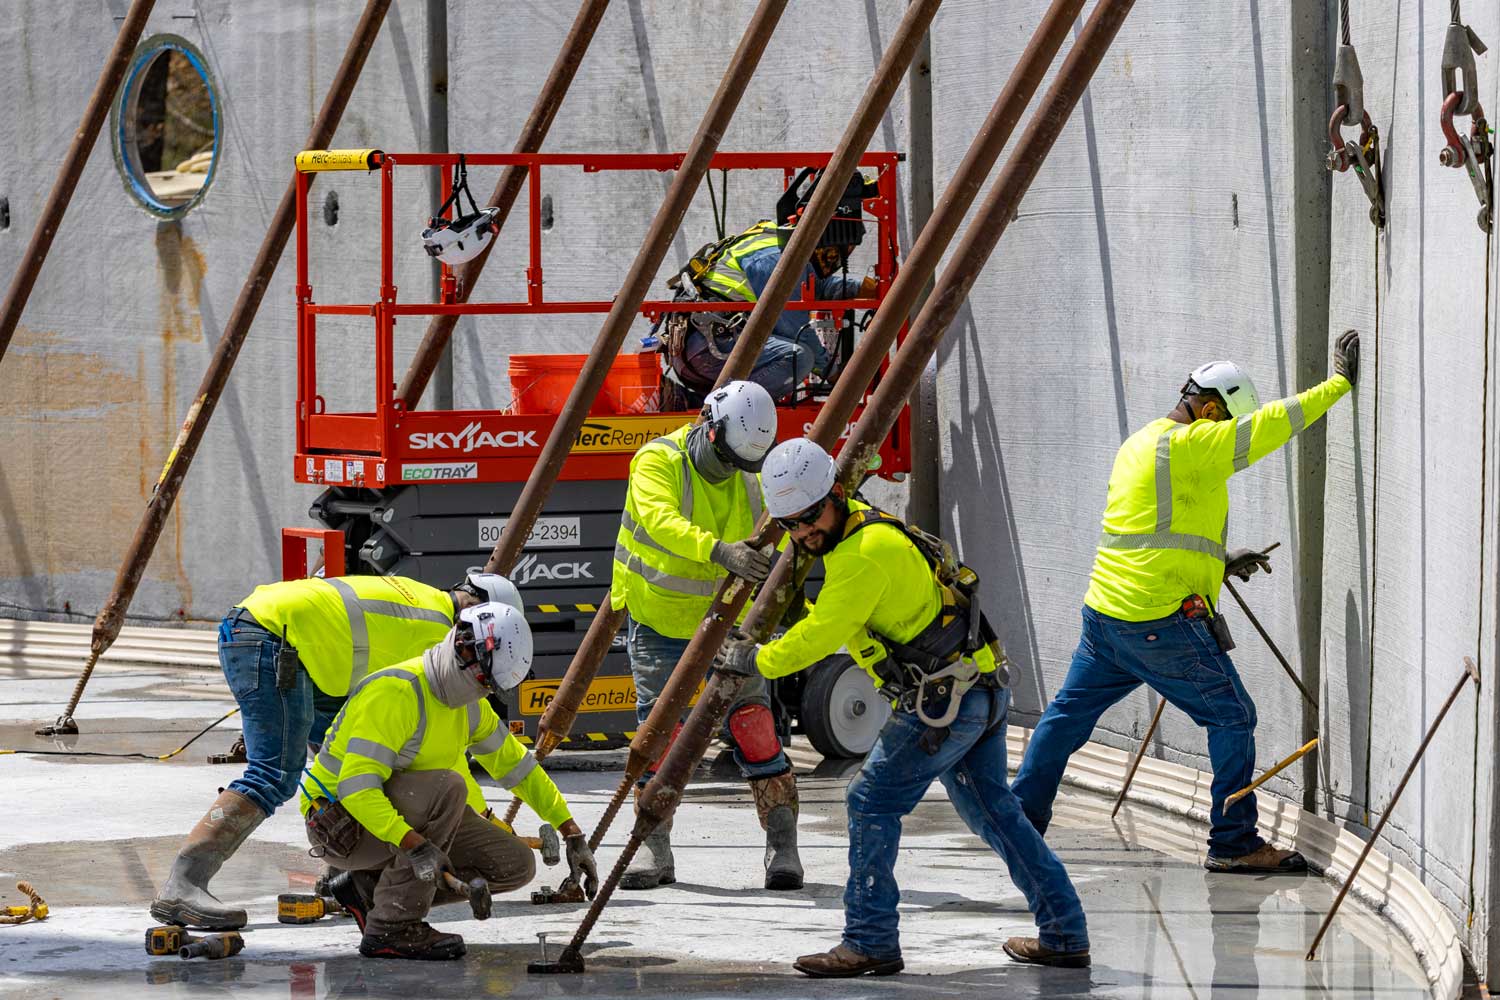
(1349, 109)
(1474, 152)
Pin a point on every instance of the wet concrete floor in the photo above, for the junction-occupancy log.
(96, 840)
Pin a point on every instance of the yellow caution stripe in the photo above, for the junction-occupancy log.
(564, 609)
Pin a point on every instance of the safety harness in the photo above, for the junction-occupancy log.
(930, 673)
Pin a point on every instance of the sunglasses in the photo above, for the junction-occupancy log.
(807, 517)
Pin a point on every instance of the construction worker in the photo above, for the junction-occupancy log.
(692, 500)
(290, 652)
(1151, 612)
(737, 270)
(387, 800)
(904, 607)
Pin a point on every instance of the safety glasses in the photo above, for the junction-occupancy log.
(808, 516)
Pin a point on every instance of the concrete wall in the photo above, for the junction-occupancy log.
(1184, 215)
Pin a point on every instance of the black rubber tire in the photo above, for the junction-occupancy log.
(819, 717)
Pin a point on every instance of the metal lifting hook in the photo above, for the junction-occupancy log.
(1474, 152)
(1363, 156)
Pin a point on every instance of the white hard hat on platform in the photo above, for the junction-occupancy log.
(797, 474)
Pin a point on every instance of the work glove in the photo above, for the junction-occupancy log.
(743, 560)
(428, 862)
(1346, 355)
(737, 655)
(1244, 563)
(581, 865)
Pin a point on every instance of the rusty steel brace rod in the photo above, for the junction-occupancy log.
(1266, 636)
(72, 168)
(533, 134)
(627, 303)
(169, 484)
(651, 738)
(1139, 754)
(664, 791)
(785, 279)
(1471, 672)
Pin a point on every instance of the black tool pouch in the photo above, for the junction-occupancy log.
(331, 829)
(1220, 629)
(287, 665)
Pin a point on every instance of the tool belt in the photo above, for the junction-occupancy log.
(1195, 606)
(331, 829)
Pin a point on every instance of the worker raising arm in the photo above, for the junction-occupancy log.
(692, 501)
(1151, 612)
(386, 796)
(290, 652)
(906, 609)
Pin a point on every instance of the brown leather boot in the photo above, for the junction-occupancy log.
(776, 804)
(1031, 951)
(1264, 860)
(843, 962)
(184, 898)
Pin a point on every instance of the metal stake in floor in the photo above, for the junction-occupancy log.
(169, 484)
(661, 795)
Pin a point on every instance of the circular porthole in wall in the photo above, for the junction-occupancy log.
(167, 126)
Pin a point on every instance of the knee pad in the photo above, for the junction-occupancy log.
(754, 732)
(656, 764)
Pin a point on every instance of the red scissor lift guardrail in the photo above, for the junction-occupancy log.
(393, 445)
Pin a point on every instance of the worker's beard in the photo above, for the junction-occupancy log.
(450, 681)
(820, 543)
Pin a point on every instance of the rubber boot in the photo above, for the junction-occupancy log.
(776, 804)
(653, 864)
(184, 898)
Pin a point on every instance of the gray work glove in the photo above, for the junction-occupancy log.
(581, 865)
(1346, 355)
(428, 862)
(1244, 563)
(743, 560)
(737, 655)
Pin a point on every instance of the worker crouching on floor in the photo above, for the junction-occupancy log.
(386, 798)
(903, 606)
(1151, 612)
(692, 500)
(290, 652)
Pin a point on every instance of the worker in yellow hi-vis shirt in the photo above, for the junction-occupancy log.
(386, 799)
(1151, 612)
(290, 652)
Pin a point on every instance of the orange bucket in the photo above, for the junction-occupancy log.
(540, 383)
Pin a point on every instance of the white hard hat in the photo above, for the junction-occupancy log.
(457, 240)
(743, 418)
(797, 475)
(501, 642)
(1230, 382)
(492, 587)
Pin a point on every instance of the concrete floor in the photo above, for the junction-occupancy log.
(95, 837)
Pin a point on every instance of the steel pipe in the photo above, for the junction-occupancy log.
(169, 484)
(72, 168)
(662, 793)
(1139, 754)
(533, 134)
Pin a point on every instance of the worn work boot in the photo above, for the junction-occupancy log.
(776, 803)
(184, 898)
(1264, 860)
(355, 892)
(653, 864)
(843, 962)
(417, 940)
(1031, 951)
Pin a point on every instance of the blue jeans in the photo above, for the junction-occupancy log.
(653, 657)
(782, 365)
(277, 724)
(971, 766)
(1180, 659)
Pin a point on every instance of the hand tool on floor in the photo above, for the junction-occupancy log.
(306, 907)
(476, 889)
(35, 910)
(568, 892)
(213, 946)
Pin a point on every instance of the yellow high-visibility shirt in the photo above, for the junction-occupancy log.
(1168, 506)
(393, 722)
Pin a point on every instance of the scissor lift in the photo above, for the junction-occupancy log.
(424, 493)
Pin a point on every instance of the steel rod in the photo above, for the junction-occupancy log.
(623, 311)
(1470, 672)
(73, 163)
(926, 254)
(1274, 650)
(1273, 772)
(662, 793)
(169, 484)
(533, 134)
(1139, 754)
